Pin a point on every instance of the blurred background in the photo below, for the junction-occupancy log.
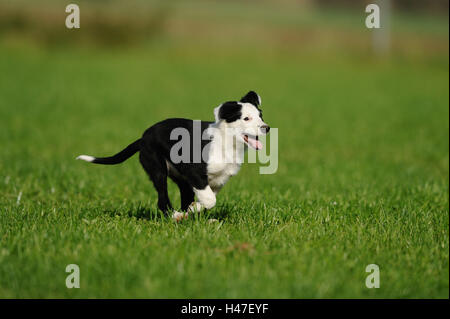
(315, 64)
(299, 25)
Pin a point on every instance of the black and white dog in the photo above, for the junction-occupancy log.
(221, 143)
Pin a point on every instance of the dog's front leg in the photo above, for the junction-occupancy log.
(206, 197)
(195, 207)
(206, 200)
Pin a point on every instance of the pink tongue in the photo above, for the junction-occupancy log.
(256, 144)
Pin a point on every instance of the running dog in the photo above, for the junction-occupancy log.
(221, 144)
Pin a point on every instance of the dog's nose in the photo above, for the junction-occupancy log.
(265, 129)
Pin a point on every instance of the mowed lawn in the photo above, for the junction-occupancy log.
(362, 176)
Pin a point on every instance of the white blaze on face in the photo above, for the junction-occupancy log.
(249, 125)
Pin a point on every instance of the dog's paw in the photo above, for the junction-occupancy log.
(177, 216)
(206, 197)
(195, 207)
(212, 221)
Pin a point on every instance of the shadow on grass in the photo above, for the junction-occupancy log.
(146, 213)
(139, 212)
(220, 212)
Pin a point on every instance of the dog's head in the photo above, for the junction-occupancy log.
(244, 118)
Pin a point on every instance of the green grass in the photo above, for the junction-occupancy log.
(362, 177)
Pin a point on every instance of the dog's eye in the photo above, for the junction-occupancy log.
(246, 118)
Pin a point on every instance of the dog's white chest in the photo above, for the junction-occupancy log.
(223, 161)
(219, 173)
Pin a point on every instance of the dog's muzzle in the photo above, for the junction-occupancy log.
(265, 129)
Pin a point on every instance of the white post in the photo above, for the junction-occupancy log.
(381, 38)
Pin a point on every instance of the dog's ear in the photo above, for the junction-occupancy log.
(253, 98)
(228, 111)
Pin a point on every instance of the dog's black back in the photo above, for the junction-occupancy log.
(155, 157)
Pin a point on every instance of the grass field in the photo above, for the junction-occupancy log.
(363, 176)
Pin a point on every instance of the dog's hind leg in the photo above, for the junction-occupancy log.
(156, 169)
(187, 197)
(186, 193)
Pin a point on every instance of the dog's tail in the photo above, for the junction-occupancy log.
(120, 157)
